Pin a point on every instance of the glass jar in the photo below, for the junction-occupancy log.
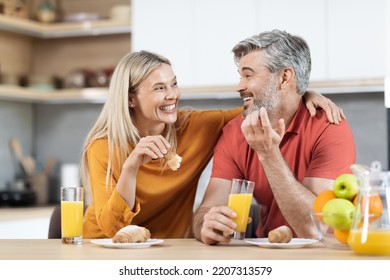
(370, 230)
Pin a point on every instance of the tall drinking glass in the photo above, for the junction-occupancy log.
(240, 200)
(72, 211)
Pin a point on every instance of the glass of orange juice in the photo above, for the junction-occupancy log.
(240, 200)
(72, 211)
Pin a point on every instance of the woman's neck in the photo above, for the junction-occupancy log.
(146, 130)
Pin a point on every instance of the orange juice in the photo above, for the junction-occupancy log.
(241, 204)
(375, 242)
(72, 218)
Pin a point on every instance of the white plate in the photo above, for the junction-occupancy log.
(293, 244)
(109, 244)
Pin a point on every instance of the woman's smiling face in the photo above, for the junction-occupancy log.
(156, 99)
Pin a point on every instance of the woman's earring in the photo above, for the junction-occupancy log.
(131, 105)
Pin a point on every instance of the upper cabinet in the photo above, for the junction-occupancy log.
(346, 38)
(356, 39)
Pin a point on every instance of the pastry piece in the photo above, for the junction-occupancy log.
(281, 234)
(173, 160)
(131, 234)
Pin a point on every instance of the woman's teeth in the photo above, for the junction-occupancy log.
(168, 108)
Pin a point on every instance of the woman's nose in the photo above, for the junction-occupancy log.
(173, 93)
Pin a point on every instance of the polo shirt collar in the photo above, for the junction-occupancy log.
(298, 118)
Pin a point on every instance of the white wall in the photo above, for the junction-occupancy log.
(387, 81)
(347, 38)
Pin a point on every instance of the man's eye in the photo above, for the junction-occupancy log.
(174, 84)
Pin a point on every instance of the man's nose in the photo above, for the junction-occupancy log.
(241, 86)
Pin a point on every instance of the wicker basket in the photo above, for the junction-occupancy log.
(15, 8)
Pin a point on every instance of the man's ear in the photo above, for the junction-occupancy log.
(287, 76)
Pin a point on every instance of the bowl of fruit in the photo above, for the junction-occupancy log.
(330, 236)
(333, 212)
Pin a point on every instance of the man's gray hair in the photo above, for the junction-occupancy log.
(280, 50)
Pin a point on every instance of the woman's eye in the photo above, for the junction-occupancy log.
(159, 88)
(174, 84)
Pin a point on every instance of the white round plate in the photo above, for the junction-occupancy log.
(109, 244)
(293, 244)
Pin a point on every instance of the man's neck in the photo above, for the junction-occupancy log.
(286, 110)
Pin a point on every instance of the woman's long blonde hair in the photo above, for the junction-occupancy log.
(115, 122)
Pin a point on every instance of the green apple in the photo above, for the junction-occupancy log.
(338, 213)
(345, 186)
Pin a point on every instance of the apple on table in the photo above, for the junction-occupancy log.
(345, 186)
(338, 213)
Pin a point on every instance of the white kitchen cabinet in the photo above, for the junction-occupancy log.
(346, 38)
(218, 25)
(356, 39)
(197, 36)
(165, 27)
(305, 18)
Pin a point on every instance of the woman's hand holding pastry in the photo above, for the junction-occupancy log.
(148, 148)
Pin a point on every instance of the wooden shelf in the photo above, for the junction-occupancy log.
(98, 95)
(63, 29)
(86, 95)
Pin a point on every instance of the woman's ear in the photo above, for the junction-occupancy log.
(131, 100)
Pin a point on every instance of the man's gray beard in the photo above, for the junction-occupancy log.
(270, 100)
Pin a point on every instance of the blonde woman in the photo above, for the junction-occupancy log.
(123, 156)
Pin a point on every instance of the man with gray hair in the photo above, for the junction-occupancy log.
(290, 155)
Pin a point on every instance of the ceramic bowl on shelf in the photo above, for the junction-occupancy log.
(326, 234)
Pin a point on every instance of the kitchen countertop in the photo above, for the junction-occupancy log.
(23, 213)
(170, 249)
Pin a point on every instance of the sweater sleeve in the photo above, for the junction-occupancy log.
(231, 114)
(112, 212)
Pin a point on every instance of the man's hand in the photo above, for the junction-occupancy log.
(218, 225)
(260, 135)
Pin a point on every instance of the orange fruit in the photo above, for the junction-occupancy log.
(322, 198)
(375, 205)
(341, 235)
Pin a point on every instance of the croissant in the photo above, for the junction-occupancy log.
(131, 234)
(281, 234)
(173, 160)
